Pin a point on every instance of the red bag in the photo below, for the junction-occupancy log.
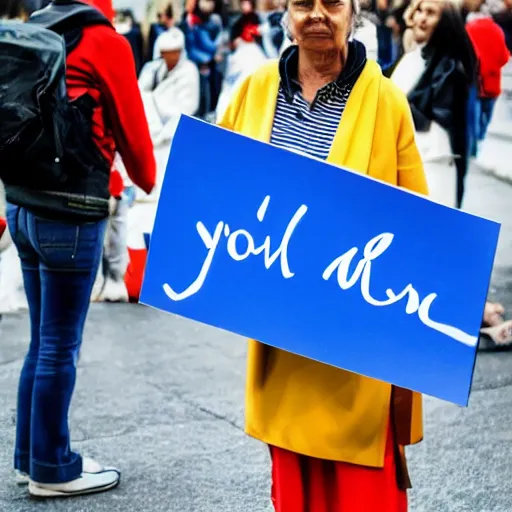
(3, 226)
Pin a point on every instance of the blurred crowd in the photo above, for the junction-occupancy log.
(227, 44)
(192, 63)
(216, 40)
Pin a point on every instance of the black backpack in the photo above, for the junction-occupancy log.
(45, 139)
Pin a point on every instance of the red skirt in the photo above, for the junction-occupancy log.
(305, 484)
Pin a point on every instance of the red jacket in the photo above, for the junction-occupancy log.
(3, 226)
(489, 43)
(104, 67)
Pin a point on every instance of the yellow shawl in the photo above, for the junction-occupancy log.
(302, 405)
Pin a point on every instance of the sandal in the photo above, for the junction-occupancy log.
(498, 337)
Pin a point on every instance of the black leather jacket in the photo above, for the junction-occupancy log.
(441, 95)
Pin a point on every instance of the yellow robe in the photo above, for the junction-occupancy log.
(296, 403)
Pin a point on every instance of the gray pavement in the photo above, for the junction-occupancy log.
(162, 397)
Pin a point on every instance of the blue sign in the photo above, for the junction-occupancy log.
(319, 261)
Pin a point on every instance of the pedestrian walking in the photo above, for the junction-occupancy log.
(437, 77)
(57, 154)
(490, 45)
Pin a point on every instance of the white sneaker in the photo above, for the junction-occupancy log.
(99, 284)
(21, 478)
(94, 478)
(114, 291)
(97, 288)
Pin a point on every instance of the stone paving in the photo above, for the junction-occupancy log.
(162, 398)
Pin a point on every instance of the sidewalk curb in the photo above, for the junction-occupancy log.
(490, 171)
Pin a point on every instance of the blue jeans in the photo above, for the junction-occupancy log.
(384, 46)
(59, 263)
(472, 122)
(205, 103)
(484, 111)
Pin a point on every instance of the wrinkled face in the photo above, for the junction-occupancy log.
(425, 20)
(246, 7)
(320, 25)
(206, 6)
(171, 58)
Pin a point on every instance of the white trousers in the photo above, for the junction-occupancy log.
(442, 182)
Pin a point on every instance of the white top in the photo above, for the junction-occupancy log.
(244, 61)
(433, 145)
(167, 95)
(409, 70)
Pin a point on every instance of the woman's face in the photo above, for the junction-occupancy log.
(206, 6)
(246, 7)
(320, 25)
(425, 20)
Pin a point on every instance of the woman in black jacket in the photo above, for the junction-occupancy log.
(249, 20)
(439, 95)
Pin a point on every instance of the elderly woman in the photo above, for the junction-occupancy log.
(336, 438)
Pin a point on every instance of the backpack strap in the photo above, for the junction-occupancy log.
(68, 18)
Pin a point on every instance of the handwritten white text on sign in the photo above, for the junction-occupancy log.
(362, 273)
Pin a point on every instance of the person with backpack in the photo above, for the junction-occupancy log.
(63, 118)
